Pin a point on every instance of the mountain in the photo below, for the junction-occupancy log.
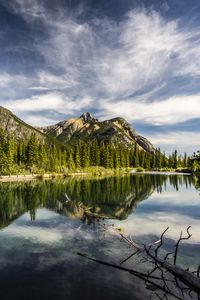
(86, 127)
(11, 124)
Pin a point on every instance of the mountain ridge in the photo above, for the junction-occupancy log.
(86, 127)
(69, 131)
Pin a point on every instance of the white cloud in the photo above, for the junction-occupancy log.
(166, 112)
(4, 79)
(155, 223)
(142, 56)
(39, 88)
(35, 234)
(181, 140)
(54, 101)
(39, 120)
(119, 59)
(146, 53)
(185, 138)
(103, 64)
(13, 85)
(52, 81)
(29, 9)
(37, 103)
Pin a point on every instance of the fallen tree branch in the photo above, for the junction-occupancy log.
(181, 238)
(186, 277)
(140, 275)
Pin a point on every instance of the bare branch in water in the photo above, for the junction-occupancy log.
(161, 241)
(168, 276)
(140, 275)
(130, 256)
(181, 238)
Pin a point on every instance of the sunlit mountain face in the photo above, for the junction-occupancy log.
(135, 59)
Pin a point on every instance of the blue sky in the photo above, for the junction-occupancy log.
(136, 59)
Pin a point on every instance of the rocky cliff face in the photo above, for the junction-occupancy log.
(16, 127)
(86, 127)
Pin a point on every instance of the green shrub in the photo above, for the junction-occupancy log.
(140, 169)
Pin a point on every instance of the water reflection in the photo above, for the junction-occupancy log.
(114, 197)
(42, 231)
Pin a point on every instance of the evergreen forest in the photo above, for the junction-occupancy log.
(33, 156)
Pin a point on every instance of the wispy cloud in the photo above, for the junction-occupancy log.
(138, 67)
(122, 58)
(53, 101)
(187, 140)
(29, 9)
(166, 112)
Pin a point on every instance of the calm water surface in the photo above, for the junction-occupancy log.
(42, 228)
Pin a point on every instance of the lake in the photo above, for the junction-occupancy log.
(42, 227)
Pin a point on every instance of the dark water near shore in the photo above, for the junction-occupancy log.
(42, 227)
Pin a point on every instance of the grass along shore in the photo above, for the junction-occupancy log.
(92, 171)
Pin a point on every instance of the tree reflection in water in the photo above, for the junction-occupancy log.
(114, 197)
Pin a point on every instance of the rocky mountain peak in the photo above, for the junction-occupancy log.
(87, 117)
(86, 128)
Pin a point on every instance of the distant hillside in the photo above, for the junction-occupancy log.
(86, 127)
(11, 124)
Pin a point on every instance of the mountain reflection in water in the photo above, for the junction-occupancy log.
(42, 230)
(113, 197)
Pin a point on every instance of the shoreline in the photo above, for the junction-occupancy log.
(27, 177)
(161, 173)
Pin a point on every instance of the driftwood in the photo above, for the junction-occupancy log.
(181, 280)
(185, 276)
(140, 275)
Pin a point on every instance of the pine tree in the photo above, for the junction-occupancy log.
(116, 158)
(77, 159)
(103, 155)
(109, 157)
(127, 154)
(175, 160)
(185, 160)
(10, 152)
(71, 164)
(147, 160)
(42, 155)
(96, 154)
(136, 156)
(32, 151)
(85, 155)
(3, 162)
(142, 158)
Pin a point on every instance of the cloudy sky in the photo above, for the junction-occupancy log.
(138, 59)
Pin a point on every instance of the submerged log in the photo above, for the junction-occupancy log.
(185, 276)
(190, 282)
(140, 275)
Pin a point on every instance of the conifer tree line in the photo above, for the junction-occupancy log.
(194, 162)
(34, 156)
